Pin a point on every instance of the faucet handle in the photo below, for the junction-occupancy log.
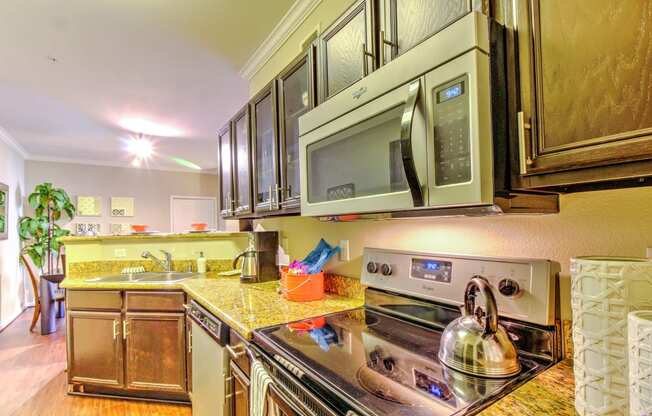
(145, 254)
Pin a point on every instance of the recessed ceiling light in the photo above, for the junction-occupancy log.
(144, 126)
(140, 147)
(136, 163)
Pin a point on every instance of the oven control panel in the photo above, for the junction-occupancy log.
(524, 288)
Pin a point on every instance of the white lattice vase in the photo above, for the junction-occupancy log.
(603, 292)
(639, 332)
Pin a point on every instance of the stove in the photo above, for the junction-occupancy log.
(381, 359)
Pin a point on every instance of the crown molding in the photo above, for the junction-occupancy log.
(296, 15)
(51, 159)
(11, 142)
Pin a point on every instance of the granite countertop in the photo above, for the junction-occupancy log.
(550, 393)
(244, 307)
(169, 236)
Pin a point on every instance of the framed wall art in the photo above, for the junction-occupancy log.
(4, 208)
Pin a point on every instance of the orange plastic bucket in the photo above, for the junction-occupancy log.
(302, 287)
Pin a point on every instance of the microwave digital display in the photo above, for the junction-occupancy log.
(433, 270)
(451, 92)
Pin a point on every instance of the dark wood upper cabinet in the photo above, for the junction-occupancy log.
(346, 49)
(264, 135)
(585, 113)
(406, 23)
(224, 157)
(241, 155)
(296, 96)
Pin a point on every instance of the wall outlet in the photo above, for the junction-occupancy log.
(120, 252)
(345, 254)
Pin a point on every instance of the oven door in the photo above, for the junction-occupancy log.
(372, 159)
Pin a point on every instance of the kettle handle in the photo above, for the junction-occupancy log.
(479, 283)
(235, 260)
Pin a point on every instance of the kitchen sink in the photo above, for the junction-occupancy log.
(149, 277)
(165, 277)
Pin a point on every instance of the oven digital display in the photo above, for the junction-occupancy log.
(451, 92)
(433, 270)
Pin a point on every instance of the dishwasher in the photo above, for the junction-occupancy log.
(210, 363)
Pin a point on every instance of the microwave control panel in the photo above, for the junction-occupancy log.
(452, 132)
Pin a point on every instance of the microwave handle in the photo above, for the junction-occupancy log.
(406, 143)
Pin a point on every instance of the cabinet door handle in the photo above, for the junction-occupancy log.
(235, 354)
(115, 329)
(125, 329)
(190, 341)
(384, 42)
(525, 158)
(365, 62)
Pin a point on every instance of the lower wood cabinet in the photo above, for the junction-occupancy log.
(240, 391)
(155, 351)
(132, 350)
(95, 353)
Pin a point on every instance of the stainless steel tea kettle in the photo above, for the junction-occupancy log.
(249, 266)
(475, 343)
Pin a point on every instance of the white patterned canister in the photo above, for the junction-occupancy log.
(603, 291)
(639, 332)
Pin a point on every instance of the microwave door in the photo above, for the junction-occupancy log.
(372, 159)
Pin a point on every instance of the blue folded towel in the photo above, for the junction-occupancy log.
(318, 257)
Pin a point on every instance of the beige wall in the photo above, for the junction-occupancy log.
(617, 222)
(614, 222)
(12, 287)
(151, 189)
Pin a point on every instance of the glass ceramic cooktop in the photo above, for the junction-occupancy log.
(379, 365)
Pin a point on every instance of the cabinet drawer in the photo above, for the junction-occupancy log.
(94, 299)
(155, 301)
(238, 352)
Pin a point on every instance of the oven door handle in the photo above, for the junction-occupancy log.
(407, 155)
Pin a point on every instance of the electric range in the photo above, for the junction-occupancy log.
(381, 359)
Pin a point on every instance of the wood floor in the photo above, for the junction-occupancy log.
(33, 379)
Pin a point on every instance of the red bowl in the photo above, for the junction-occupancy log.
(139, 228)
(199, 226)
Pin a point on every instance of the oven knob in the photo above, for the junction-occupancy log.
(509, 288)
(386, 269)
(372, 267)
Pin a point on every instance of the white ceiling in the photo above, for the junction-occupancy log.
(171, 62)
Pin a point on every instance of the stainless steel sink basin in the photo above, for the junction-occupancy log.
(165, 277)
(149, 277)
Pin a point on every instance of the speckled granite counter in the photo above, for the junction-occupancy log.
(550, 393)
(252, 306)
(244, 307)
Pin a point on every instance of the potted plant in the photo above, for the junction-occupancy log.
(41, 232)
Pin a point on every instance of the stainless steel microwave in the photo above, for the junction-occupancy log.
(417, 135)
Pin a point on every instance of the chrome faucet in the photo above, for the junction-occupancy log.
(166, 264)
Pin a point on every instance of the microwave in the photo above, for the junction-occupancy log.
(426, 134)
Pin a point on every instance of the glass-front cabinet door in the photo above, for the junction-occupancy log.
(346, 49)
(265, 149)
(296, 96)
(224, 156)
(242, 162)
(406, 23)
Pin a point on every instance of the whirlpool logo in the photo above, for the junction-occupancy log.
(359, 92)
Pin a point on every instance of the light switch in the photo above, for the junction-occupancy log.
(120, 252)
(345, 255)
